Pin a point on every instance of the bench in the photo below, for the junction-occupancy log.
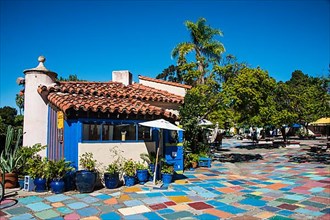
(204, 162)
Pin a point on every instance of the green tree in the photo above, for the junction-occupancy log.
(8, 114)
(251, 96)
(207, 51)
(20, 103)
(172, 74)
(72, 77)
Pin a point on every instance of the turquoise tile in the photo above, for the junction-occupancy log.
(316, 189)
(103, 196)
(29, 200)
(57, 198)
(309, 212)
(17, 210)
(89, 199)
(178, 215)
(165, 211)
(295, 197)
(133, 203)
(206, 217)
(253, 202)
(22, 216)
(64, 210)
(152, 216)
(77, 205)
(134, 217)
(46, 214)
(174, 193)
(285, 212)
(110, 215)
(39, 206)
(154, 194)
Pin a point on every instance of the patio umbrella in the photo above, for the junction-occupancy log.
(161, 124)
(321, 121)
(204, 122)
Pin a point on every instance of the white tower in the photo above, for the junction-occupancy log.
(36, 106)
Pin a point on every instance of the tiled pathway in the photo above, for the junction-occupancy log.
(268, 189)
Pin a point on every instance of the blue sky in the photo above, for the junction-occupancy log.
(93, 38)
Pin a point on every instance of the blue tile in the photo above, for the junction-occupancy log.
(253, 202)
(152, 216)
(134, 217)
(175, 193)
(89, 199)
(77, 205)
(103, 196)
(285, 212)
(232, 209)
(216, 203)
(56, 218)
(308, 212)
(295, 197)
(327, 210)
(270, 208)
(23, 216)
(110, 215)
(29, 200)
(89, 211)
(206, 217)
(39, 206)
(154, 194)
(165, 211)
(57, 198)
(316, 189)
(133, 203)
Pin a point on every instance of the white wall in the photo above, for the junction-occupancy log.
(171, 89)
(104, 156)
(35, 110)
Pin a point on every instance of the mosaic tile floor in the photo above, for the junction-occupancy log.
(272, 188)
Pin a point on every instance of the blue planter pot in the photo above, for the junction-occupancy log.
(167, 178)
(111, 180)
(57, 186)
(40, 184)
(142, 176)
(129, 180)
(85, 181)
(69, 181)
(21, 183)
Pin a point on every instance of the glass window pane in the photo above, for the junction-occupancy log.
(145, 133)
(91, 132)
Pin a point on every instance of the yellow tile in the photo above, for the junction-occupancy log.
(91, 218)
(179, 199)
(132, 189)
(57, 204)
(124, 197)
(265, 215)
(181, 181)
(257, 193)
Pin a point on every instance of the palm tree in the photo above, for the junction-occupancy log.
(20, 103)
(202, 43)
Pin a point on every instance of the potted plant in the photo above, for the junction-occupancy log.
(112, 171)
(86, 178)
(9, 158)
(167, 171)
(142, 172)
(111, 176)
(129, 172)
(151, 160)
(57, 170)
(193, 159)
(38, 170)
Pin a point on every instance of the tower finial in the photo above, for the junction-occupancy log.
(41, 59)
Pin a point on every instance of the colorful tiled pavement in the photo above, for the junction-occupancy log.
(272, 188)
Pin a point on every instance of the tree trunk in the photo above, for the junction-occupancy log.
(283, 133)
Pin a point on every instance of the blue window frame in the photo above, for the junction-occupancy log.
(114, 131)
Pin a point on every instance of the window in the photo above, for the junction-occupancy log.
(109, 132)
(145, 133)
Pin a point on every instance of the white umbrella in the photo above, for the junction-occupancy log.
(204, 122)
(162, 124)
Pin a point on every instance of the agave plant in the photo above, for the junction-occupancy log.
(10, 157)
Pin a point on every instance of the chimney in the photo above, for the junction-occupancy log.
(122, 76)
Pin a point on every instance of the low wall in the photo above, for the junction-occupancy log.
(103, 154)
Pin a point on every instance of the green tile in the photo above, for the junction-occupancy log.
(17, 210)
(46, 214)
(274, 203)
(252, 196)
(314, 204)
(279, 217)
(283, 200)
(178, 215)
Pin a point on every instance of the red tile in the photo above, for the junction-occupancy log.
(200, 205)
(158, 206)
(170, 203)
(288, 206)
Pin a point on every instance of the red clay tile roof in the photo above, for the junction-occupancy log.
(109, 97)
(165, 82)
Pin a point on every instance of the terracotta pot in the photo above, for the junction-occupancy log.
(11, 180)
